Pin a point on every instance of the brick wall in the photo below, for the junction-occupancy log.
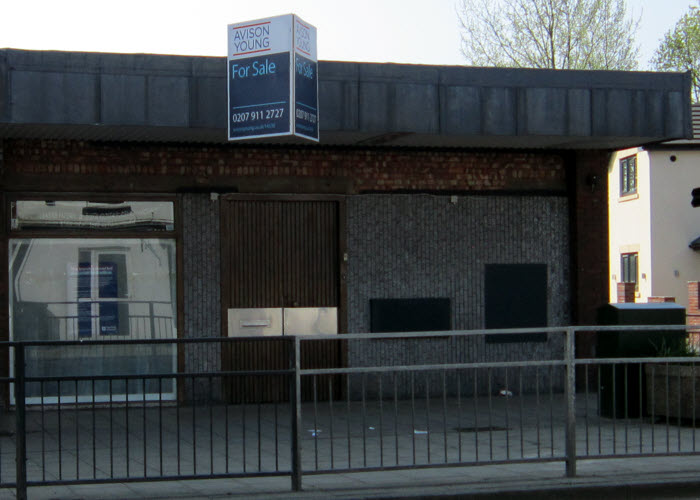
(660, 300)
(589, 218)
(626, 292)
(159, 167)
(693, 309)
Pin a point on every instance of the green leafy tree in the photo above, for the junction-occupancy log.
(556, 34)
(680, 49)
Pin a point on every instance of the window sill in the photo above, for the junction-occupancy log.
(628, 197)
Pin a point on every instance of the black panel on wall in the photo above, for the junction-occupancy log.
(410, 315)
(515, 297)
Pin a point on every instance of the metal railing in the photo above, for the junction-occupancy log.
(82, 319)
(548, 407)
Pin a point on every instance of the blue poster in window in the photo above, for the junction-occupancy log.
(84, 307)
(108, 283)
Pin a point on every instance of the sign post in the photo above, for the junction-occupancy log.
(272, 79)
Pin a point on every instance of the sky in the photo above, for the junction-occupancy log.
(402, 31)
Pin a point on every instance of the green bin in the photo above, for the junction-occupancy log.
(622, 387)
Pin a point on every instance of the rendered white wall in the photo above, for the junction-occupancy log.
(674, 222)
(629, 223)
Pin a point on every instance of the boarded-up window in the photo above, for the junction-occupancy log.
(515, 297)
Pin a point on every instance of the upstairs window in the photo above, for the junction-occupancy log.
(628, 175)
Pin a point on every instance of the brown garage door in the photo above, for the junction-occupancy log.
(279, 253)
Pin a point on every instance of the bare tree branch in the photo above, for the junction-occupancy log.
(566, 34)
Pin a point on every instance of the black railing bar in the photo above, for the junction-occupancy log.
(194, 425)
(427, 414)
(94, 431)
(537, 412)
(638, 455)
(97, 301)
(380, 393)
(459, 415)
(396, 419)
(76, 415)
(97, 316)
(347, 420)
(626, 408)
(489, 399)
(510, 331)
(475, 400)
(522, 411)
(586, 410)
(330, 419)
(160, 425)
(211, 423)
(655, 360)
(315, 415)
(551, 411)
(507, 418)
(144, 424)
(622, 328)
(641, 408)
(60, 445)
(362, 336)
(151, 479)
(653, 406)
(126, 421)
(100, 405)
(43, 434)
(123, 341)
(436, 465)
(248, 373)
(451, 366)
(363, 391)
(444, 415)
(440, 333)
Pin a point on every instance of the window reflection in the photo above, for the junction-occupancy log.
(94, 289)
(59, 215)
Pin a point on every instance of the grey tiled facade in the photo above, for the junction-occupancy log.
(201, 281)
(415, 246)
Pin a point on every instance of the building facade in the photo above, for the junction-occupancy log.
(653, 225)
(461, 191)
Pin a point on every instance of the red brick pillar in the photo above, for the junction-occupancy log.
(626, 291)
(693, 309)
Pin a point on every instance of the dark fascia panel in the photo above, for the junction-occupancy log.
(184, 98)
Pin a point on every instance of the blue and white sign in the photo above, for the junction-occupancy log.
(272, 79)
(305, 81)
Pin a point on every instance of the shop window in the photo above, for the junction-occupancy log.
(71, 278)
(628, 175)
(70, 215)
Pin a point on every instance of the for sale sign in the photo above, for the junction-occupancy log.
(272, 79)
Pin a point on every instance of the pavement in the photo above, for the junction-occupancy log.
(509, 429)
(670, 477)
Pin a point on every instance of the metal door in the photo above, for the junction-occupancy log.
(279, 253)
